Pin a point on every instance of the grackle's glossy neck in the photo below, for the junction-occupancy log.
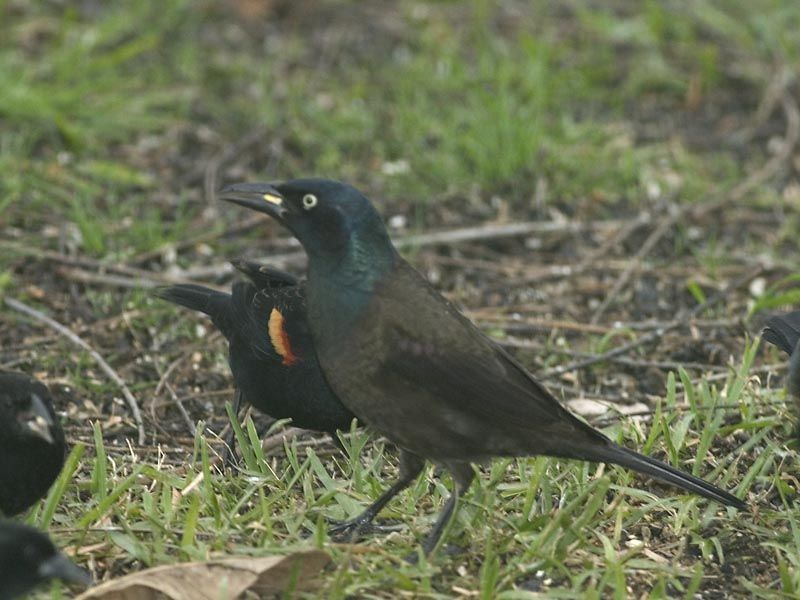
(342, 283)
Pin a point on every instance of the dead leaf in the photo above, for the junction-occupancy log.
(223, 579)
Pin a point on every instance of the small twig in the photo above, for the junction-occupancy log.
(207, 236)
(82, 261)
(67, 333)
(526, 324)
(277, 440)
(606, 420)
(624, 277)
(211, 171)
(79, 275)
(545, 324)
(723, 199)
(450, 236)
(679, 321)
(623, 233)
(163, 382)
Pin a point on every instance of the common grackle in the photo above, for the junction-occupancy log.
(32, 442)
(271, 354)
(784, 332)
(28, 558)
(411, 366)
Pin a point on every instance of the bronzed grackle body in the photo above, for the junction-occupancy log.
(271, 353)
(412, 367)
(32, 442)
(28, 558)
(784, 332)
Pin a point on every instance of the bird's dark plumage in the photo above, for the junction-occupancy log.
(271, 353)
(32, 445)
(784, 332)
(28, 558)
(410, 365)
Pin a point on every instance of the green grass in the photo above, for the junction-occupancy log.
(524, 520)
(110, 116)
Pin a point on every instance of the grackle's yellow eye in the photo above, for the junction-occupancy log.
(309, 201)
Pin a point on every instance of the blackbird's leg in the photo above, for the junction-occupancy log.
(229, 451)
(463, 474)
(411, 466)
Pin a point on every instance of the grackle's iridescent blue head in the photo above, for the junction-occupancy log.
(337, 225)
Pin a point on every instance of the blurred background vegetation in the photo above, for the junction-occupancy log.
(111, 111)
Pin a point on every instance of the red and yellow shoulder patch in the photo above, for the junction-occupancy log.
(279, 337)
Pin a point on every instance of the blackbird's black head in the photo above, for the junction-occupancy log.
(334, 221)
(35, 560)
(36, 419)
(27, 405)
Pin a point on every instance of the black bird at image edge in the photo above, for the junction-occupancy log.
(28, 558)
(783, 331)
(32, 444)
(411, 366)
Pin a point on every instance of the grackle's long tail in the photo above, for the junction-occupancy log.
(655, 468)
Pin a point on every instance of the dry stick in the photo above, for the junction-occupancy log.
(164, 382)
(623, 233)
(451, 236)
(209, 236)
(626, 275)
(525, 324)
(606, 420)
(86, 262)
(112, 374)
(121, 281)
(654, 335)
(211, 171)
(276, 440)
(771, 167)
(773, 94)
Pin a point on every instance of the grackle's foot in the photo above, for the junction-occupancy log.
(354, 529)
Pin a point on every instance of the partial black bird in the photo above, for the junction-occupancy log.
(784, 332)
(411, 366)
(28, 558)
(271, 354)
(32, 445)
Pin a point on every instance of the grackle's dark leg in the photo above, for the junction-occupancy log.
(463, 474)
(229, 451)
(411, 466)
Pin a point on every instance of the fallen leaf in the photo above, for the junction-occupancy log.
(222, 579)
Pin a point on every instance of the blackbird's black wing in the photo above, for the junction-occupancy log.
(783, 331)
(249, 319)
(273, 290)
(264, 276)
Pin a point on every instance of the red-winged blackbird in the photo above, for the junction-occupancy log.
(784, 332)
(28, 558)
(271, 355)
(32, 442)
(409, 365)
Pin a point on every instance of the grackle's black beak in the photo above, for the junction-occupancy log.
(263, 197)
